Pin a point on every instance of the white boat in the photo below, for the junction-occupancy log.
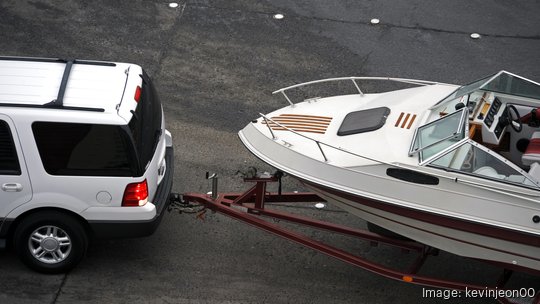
(453, 167)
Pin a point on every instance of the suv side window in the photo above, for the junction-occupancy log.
(9, 162)
(84, 149)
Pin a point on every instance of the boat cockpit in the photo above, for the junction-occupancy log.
(489, 128)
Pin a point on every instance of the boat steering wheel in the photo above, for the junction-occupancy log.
(514, 123)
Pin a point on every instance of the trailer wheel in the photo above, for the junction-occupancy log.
(385, 232)
(50, 242)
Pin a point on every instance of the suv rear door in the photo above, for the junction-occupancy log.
(15, 187)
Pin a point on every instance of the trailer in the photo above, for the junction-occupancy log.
(252, 207)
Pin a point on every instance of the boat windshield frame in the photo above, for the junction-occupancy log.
(466, 90)
(535, 184)
(491, 84)
(460, 131)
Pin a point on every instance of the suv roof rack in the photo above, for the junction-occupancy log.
(38, 59)
(57, 103)
(47, 106)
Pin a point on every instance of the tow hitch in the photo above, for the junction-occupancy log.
(179, 205)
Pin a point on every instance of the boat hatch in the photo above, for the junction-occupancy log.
(363, 121)
(436, 136)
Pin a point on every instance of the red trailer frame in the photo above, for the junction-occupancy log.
(250, 206)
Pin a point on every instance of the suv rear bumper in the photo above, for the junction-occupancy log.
(128, 229)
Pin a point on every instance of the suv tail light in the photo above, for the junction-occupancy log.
(136, 194)
(138, 92)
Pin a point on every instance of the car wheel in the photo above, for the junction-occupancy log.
(50, 242)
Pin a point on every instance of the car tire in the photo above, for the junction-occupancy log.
(50, 242)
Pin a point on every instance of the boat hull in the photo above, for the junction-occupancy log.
(448, 215)
(422, 228)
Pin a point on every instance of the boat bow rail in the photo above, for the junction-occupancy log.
(353, 79)
(418, 169)
(321, 144)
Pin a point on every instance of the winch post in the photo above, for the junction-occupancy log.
(259, 194)
(214, 178)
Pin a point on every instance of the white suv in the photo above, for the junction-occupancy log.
(83, 153)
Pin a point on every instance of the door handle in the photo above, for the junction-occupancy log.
(12, 187)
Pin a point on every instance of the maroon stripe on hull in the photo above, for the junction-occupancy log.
(449, 237)
(437, 219)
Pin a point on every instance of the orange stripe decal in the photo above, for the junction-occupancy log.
(300, 120)
(297, 127)
(300, 123)
(306, 116)
(405, 121)
(399, 119)
(412, 120)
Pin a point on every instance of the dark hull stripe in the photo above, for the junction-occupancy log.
(440, 220)
(442, 235)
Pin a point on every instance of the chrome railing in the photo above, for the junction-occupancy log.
(320, 144)
(353, 79)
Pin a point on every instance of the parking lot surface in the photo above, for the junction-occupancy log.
(215, 64)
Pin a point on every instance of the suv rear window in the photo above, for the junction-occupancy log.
(146, 122)
(9, 162)
(83, 149)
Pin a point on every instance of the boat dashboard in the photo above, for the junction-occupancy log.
(488, 114)
(503, 120)
(491, 116)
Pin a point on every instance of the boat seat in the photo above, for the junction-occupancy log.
(534, 171)
(532, 153)
(489, 172)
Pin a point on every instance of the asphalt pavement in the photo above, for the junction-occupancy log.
(215, 64)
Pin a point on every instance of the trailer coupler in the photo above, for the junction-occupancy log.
(179, 205)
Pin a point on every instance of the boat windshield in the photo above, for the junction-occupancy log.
(501, 82)
(435, 137)
(464, 90)
(474, 159)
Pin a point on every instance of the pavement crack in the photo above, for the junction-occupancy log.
(59, 290)
(166, 42)
(198, 5)
(421, 28)
(367, 23)
(364, 60)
